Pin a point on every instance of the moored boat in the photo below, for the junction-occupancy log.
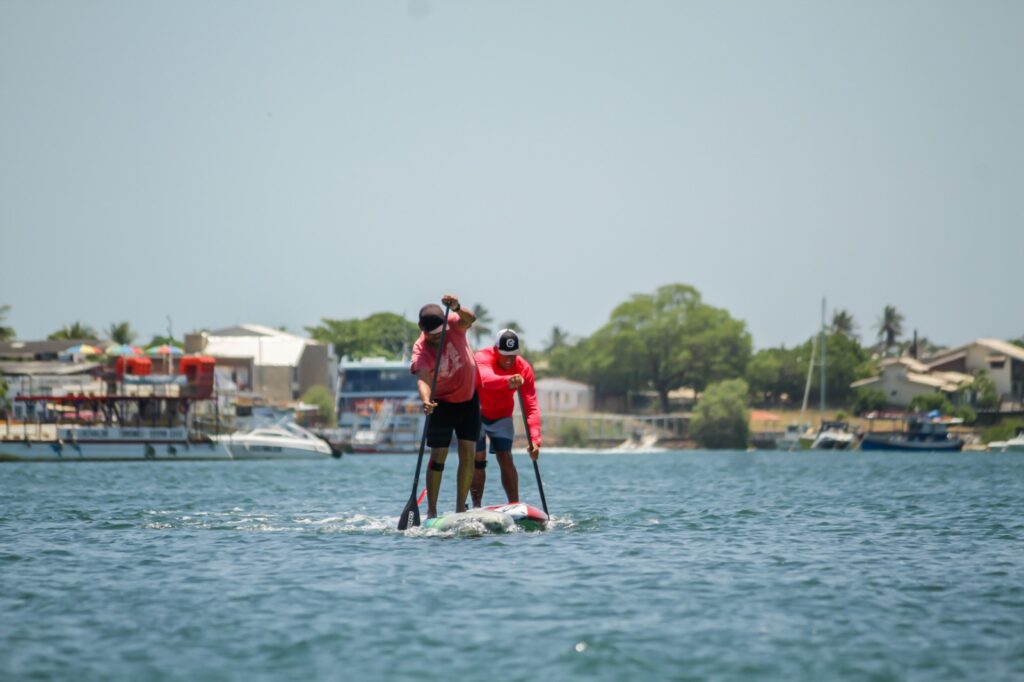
(923, 433)
(284, 441)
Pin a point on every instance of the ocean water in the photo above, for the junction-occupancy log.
(675, 566)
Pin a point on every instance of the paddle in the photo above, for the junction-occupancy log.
(536, 469)
(412, 507)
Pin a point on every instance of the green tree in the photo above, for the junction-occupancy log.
(890, 328)
(121, 332)
(1004, 430)
(159, 340)
(842, 323)
(559, 338)
(482, 327)
(660, 341)
(986, 395)
(324, 402)
(721, 419)
(73, 332)
(6, 333)
(775, 374)
(381, 334)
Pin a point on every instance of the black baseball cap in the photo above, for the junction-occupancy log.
(507, 343)
(431, 318)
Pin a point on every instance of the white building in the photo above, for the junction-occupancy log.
(1003, 361)
(564, 395)
(276, 364)
(903, 379)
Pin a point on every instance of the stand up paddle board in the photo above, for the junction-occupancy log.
(498, 518)
(524, 515)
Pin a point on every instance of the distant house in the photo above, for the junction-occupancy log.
(275, 364)
(564, 395)
(1004, 362)
(903, 379)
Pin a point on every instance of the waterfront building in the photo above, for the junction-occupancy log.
(1004, 362)
(277, 365)
(555, 394)
(903, 379)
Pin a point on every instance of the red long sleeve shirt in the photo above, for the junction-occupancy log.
(497, 400)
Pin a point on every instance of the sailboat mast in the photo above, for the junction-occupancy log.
(823, 358)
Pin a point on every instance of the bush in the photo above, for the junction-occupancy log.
(931, 401)
(572, 435)
(720, 419)
(868, 400)
(1004, 430)
(324, 401)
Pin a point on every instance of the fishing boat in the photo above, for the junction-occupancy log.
(922, 433)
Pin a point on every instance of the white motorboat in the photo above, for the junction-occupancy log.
(1015, 444)
(282, 441)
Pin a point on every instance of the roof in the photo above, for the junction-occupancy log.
(1003, 347)
(264, 351)
(20, 349)
(250, 330)
(50, 368)
(266, 346)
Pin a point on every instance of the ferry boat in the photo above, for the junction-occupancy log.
(379, 409)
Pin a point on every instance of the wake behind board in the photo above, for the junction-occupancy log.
(491, 521)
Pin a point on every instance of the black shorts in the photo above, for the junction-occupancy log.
(462, 418)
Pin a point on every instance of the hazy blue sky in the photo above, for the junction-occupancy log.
(278, 162)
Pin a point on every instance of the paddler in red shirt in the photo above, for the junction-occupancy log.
(501, 372)
(454, 405)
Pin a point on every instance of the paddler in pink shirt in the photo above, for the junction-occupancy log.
(454, 406)
(502, 372)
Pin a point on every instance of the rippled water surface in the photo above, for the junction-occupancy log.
(680, 566)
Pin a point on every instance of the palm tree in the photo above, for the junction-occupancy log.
(6, 333)
(559, 338)
(121, 332)
(482, 326)
(842, 323)
(73, 331)
(890, 328)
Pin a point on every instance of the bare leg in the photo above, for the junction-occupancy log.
(509, 476)
(438, 455)
(476, 490)
(467, 450)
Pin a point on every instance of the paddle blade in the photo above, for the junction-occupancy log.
(410, 515)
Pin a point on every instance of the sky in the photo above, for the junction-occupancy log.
(201, 164)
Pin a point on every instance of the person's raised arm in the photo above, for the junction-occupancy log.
(466, 317)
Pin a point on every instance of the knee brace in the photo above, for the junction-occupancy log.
(480, 463)
(436, 466)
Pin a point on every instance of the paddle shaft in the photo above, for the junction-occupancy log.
(536, 468)
(413, 506)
